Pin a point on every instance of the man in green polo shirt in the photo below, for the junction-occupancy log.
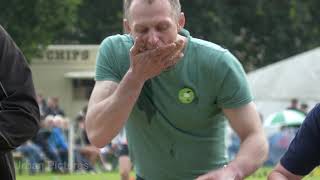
(174, 94)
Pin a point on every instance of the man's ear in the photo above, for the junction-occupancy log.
(181, 21)
(126, 26)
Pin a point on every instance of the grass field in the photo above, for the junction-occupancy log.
(261, 174)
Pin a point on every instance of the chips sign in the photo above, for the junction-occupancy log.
(58, 54)
(67, 55)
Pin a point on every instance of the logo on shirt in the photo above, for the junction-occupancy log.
(186, 95)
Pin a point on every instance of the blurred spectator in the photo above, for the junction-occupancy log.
(42, 105)
(86, 150)
(234, 146)
(119, 148)
(108, 157)
(294, 104)
(304, 108)
(59, 142)
(34, 155)
(81, 115)
(279, 143)
(42, 140)
(53, 107)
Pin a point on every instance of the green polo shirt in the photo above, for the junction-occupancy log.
(176, 129)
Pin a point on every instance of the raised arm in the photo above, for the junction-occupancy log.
(111, 103)
(109, 107)
(281, 173)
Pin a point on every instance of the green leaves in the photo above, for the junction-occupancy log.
(35, 24)
(98, 19)
(258, 32)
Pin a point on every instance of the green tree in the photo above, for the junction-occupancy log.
(98, 19)
(34, 24)
(257, 32)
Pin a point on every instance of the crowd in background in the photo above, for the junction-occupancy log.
(49, 149)
(296, 106)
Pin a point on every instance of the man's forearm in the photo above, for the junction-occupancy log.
(277, 176)
(107, 117)
(253, 152)
(281, 173)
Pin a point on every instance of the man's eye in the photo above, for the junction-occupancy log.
(144, 30)
(162, 27)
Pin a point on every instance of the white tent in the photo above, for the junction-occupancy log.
(298, 77)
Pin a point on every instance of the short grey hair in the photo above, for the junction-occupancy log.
(175, 6)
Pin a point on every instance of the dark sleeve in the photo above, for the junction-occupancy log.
(303, 153)
(19, 111)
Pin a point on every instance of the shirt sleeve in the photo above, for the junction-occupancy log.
(234, 89)
(106, 64)
(19, 111)
(303, 153)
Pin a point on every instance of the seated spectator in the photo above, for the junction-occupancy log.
(59, 143)
(87, 150)
(119, 149)
(34, 155)
(42, 140)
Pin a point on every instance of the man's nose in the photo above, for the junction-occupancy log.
(153, 39)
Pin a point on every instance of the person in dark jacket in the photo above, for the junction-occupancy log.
(19, 111)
